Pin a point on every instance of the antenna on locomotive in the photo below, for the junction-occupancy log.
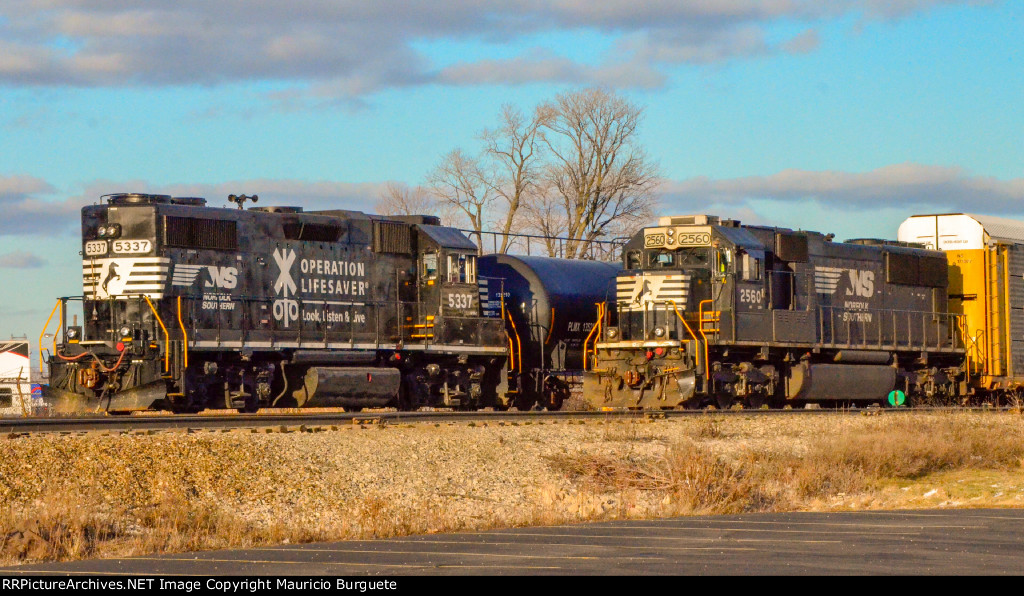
(241, 199)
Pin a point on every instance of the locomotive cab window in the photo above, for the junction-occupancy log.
(723, 261)
(751, 267)
(634, 259)
(428, 270)
(661, 258)
(461, 268)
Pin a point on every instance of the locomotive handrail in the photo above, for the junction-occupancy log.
(906, 338)
(707, 369)
(167, 337)
(715, 317)
(511, 347)
(596, 326)
(59, 304)
(519, 342)
(601, 314)
(184, 334)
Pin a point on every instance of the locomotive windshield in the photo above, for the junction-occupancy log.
(686, 258)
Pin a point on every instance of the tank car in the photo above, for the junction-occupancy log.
(709, 311)
(188, 307)
(549, 306)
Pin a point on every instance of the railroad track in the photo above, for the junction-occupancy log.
(302, 421)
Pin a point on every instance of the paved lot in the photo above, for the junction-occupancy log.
(917, 542)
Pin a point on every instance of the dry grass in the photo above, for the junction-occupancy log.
(693, 476)
(100, 503)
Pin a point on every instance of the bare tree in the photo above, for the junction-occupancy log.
(398, 198)
(511, 151)
(460, 182)
(544, 215)
(601, 178)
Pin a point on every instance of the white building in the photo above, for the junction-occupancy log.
(15, 385)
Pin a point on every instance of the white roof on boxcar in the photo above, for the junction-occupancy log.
(958, 231)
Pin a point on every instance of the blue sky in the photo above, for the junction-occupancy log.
(844, 116)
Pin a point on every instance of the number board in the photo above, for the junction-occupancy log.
(460, 300)
(677, 237)
(95, 248)
(132, 246)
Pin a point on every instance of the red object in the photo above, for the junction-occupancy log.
(398, 356)
(659, 351)
(120, 346)
(650, 354)
(369, 377)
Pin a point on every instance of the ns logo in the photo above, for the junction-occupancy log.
(222, 277)
(225, 278)
(862, 283)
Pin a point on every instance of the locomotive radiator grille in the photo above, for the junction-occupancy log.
(638, 292)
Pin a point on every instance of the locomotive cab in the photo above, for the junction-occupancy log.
(447, 284)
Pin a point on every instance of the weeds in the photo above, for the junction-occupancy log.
(710, 465)
(698, 479)
(708, 427)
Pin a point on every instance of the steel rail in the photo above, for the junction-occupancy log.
(296, 421)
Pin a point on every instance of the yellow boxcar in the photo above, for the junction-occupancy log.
(986, 284)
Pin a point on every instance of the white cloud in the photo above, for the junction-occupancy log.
(913, 185)
(540, 68)
(30, 205)
(21, 260)
(352, 47)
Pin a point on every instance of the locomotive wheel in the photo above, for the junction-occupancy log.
(249, 408)
(694, 403)
(724, 400)
(555, 394)
(755, 401)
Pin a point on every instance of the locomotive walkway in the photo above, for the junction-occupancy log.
(940, 542)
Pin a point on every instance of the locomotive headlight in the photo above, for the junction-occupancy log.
(613, 333)
(113, 231)
(102, 232)
(72, 333)
(659, 332)
(125, 331)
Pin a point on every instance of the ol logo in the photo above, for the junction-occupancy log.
(286, 310)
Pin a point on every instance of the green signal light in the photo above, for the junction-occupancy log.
(897, 398)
